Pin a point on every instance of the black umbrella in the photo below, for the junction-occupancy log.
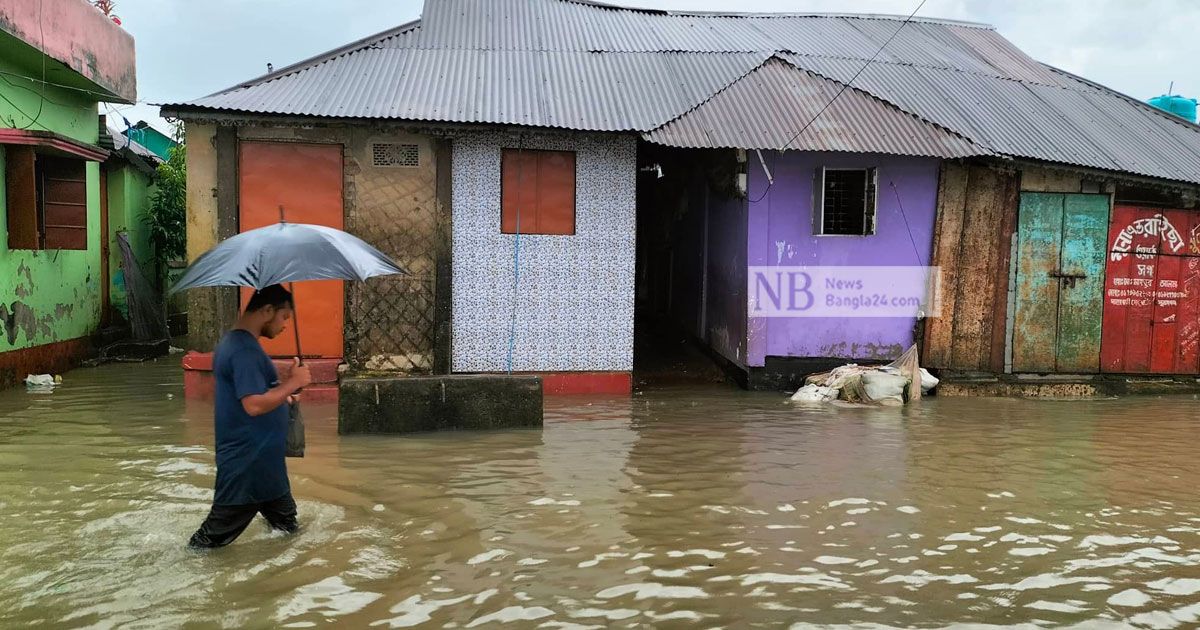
(287, 252)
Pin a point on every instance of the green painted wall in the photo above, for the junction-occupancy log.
(48, 296)
(129, 192)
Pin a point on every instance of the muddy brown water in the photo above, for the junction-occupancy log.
(674, 508)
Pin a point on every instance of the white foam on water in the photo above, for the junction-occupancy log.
(616, 614)
(988, 530)
(962, 537)
(483, 596)
(549, 501)
(600, 558)
(867, 563)
(834, 560)
(1168, 619)
(792, 527)
(1176, 586)
(920, 578)
(905, 559)
(706, 553)
(531, 562)
(637, 570)
(1062, 607)
(908, 509)
(785, 507)
(660, 495)
(750, 551)
(1105, 540)
(669, 573)
(488, 556)
(858, 511)
(642, 555)
(688, 615)
(1058, 538)
(1043, 581)
(1023, 520)
(1002, 495)
(1027, 552)
(811, 579)
(1129, 598)
(947, 548)
(652, 590)
(851, 501)
(511, 614)
(331, 597)
(1019, 538)
(378, 507)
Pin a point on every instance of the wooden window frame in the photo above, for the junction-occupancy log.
(870, 202)
(47, 200)
(533, 209)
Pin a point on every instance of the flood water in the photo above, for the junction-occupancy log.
(674, 508)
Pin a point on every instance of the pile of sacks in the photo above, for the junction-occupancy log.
(892, 384)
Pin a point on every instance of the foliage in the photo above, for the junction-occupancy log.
(167, 218)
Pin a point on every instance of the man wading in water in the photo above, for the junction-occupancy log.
(251, 419)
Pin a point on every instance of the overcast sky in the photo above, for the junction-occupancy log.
(189, 48)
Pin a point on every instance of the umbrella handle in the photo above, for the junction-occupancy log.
(296, 322)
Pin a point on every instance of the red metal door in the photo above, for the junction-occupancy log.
(306, 179)
(1152, 292)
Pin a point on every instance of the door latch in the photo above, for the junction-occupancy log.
(1068, 279)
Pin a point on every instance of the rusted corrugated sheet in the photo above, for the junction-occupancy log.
(767, 109)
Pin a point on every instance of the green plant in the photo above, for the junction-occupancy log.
(167, 218)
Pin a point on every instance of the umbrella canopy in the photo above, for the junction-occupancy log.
(286, 252)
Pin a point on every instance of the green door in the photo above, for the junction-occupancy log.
(1061, 242)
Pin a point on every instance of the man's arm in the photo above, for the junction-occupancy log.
(261, 404)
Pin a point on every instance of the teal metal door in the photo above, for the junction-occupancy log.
(1061, 244)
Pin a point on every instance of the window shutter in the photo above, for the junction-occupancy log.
(64, 203)
(540, 186)
(21, 197)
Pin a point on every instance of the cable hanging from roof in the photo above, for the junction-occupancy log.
(844, 87)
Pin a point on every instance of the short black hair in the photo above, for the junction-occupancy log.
(274, 295)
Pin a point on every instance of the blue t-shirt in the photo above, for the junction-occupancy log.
(250, 449)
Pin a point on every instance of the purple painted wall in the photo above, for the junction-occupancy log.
(780, 232)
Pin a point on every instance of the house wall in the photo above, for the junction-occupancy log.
(574, 302)
(49, 297)
(977, 208)
(780, 232)
(129, 192)
(391, 323)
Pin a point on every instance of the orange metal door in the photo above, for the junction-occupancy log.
(306, 179)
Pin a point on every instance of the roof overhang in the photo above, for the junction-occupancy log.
(53, 144)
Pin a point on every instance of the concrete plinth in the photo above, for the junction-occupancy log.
(410, 404)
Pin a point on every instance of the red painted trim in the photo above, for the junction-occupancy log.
(53, 143)
(52, 358)
(567, 383)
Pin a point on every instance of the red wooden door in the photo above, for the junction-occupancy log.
(1152, 292)
(306, 179)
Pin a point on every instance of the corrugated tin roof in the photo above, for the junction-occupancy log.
(760, 110)
(579, 65)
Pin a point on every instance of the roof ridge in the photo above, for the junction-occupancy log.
(781, 14)
(1119, 94)
(984, 150)
(897, 107)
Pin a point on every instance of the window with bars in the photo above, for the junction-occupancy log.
(846, 201)
(46, 199)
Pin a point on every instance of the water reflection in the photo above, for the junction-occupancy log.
(675, 507)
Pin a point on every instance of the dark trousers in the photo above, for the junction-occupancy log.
(226, 522)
